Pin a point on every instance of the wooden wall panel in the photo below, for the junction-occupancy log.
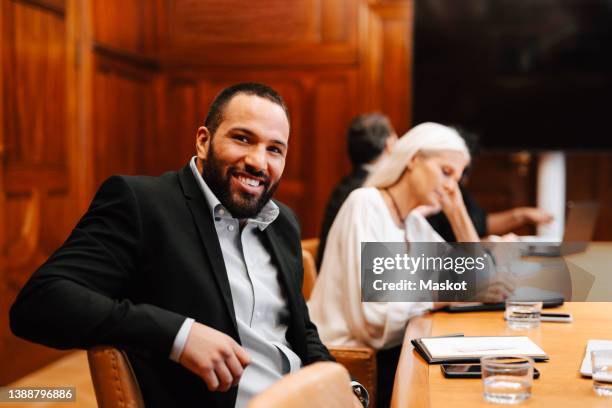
(128, 26)
(37, 70)
(178, 122)
(124, 118)
(267, 32)
(330, 60)
(386, 69)
(37, 204)
(332, 114)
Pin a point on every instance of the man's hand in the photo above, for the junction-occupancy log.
(214, 356)
(534, 215)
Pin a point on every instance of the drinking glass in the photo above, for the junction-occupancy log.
(523, 315)
(507, 380)
(602, 372)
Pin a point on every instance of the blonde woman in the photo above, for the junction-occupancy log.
(421, 172)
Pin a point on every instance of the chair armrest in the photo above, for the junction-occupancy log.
(361, 364)
(113, 378)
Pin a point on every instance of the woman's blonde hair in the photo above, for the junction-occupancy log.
(426, 138)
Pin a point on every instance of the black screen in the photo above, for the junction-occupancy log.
(523, 74)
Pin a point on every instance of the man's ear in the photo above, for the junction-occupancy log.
(202, 142)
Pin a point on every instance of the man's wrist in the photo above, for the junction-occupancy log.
(361, 393)
(180, 340)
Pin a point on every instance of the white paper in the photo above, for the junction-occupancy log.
(471, 347)
(586, 369)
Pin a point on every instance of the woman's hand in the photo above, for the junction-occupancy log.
(451, 199)
(452, 204)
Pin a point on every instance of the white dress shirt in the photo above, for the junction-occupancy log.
(261, 309)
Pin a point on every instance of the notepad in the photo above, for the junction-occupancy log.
(469, 348)
(586, 369)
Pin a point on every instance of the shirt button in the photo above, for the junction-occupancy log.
(221, 211)
(230, 227)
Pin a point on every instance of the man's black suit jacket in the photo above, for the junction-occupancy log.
(145, 256)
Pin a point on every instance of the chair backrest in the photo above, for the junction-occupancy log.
(310, 274)
(311, 245)
(324, 385)
(113, 378)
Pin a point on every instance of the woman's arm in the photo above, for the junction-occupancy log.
(460, 221)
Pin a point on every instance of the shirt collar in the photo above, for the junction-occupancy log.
(265, 217)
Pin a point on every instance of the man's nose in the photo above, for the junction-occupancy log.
(256, 157)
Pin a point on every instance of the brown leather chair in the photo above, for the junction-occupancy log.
(311, 245)
(359, 361)
(324, 385)
(116, 386)
(310, 274)
(113, 378)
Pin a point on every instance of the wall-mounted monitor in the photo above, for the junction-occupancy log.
(524, 74)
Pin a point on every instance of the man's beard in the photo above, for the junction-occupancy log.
(240, 204)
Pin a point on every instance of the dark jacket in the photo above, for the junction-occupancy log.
(339, 195)
(145, 256)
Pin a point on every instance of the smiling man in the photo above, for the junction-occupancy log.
(196, 274)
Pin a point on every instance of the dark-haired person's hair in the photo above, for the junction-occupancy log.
(472, 141)
(366, 137)
(217, 107)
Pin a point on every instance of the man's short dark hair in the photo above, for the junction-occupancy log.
(217, 107)
(366, 137)
(472, 141)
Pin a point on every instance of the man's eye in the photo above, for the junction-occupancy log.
(275, 150)
(241, 138)
(447, 171)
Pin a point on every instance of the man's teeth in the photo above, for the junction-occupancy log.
(248, 181)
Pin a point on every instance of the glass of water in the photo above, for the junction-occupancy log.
(602, 372)
(523, 315)
(507, 380)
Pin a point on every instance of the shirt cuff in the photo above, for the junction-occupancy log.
(181, 339)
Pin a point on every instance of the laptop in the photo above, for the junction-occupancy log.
(579, 228)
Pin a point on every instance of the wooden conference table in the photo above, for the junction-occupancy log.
(418, 384)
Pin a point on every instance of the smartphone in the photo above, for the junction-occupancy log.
(556, 317)
(469, 371)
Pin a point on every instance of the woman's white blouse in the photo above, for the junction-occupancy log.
(335, 304)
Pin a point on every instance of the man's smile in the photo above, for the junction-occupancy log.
(249, 183)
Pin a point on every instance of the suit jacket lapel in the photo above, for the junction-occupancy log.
(288, 277)
(203, 219)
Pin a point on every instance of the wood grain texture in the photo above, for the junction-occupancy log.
(128, 26)
(386, 55)
(212, 33)
(411, 378)
(124, 118)
(560, 384)
(37, 201)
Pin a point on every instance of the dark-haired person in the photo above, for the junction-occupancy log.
(369, 138)
(196, 274)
